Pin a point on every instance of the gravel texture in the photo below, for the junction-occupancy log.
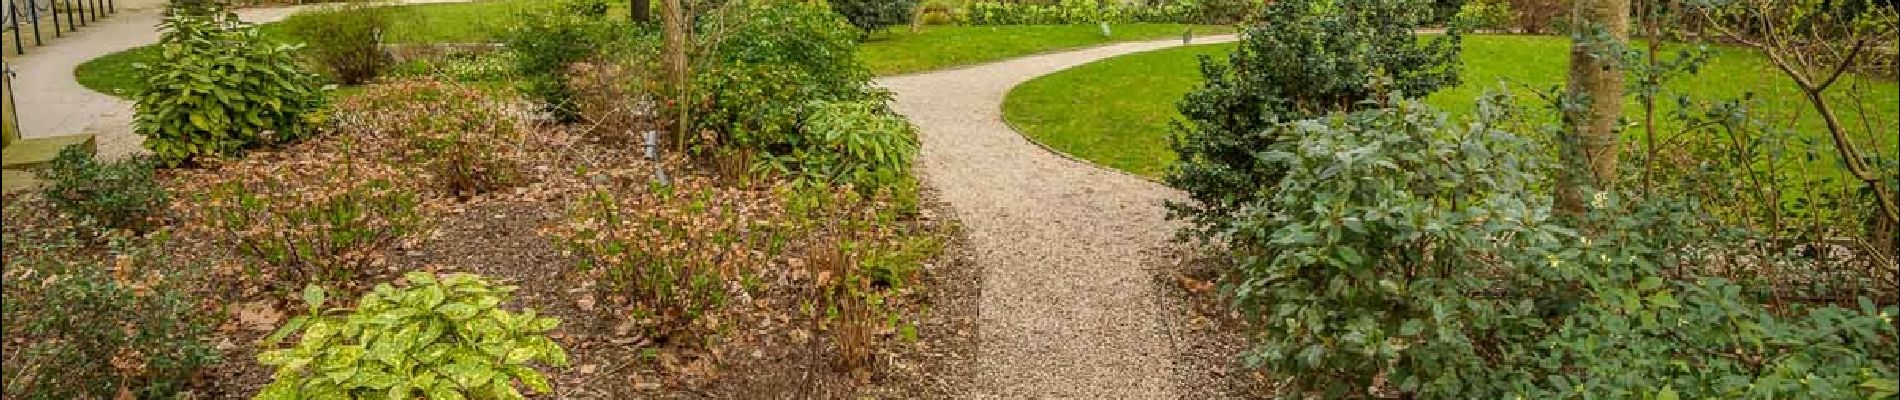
(1070, 305)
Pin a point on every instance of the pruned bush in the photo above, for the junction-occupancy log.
(83, 328)
(345, 39)
(220, 88)
(439, 337)
(639, 245)
(120, 194)
(461, 137)
(1317, 57)
(855, 143)
(872, 15)
(312, 235)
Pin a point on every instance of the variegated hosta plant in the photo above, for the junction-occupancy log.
(443, 338)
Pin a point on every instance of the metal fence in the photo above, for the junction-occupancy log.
(36, 15)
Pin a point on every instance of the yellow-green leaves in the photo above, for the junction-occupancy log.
(443, 337)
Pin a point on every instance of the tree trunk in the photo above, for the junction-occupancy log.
(677, 77)
(642, 11)
(1596, 84)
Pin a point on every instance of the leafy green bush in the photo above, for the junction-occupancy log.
(857, 143)
(459, 135)
(97, 329)
(316, 235)
(778, 58)
(1317, 57)
(1489, 15)
(551, 39)
(1361, 255)
(122, 194)
(221, 88)
(871, 15)
(443, 338)
(347, 39)
(1390, 245)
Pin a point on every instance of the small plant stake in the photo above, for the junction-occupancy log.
(653, 154)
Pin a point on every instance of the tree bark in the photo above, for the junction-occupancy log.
(1596, 84)
(642, 11)
(678, 78)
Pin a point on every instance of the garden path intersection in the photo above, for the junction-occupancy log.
(1069, 307)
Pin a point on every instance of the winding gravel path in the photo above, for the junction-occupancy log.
(1070, 307)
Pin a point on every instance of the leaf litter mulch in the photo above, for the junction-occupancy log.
(760, 345)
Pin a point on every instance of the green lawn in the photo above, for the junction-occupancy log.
(900, 52)
(1116, 111)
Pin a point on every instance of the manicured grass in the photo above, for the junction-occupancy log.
(114, 74)
(1116, 111)
(900, 52)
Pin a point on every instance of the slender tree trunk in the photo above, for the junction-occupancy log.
(1596, 83)
(642, 11)
(678, 78)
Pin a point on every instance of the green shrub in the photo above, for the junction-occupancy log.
(346, 39)
(780, 57)
(221, 88)
(550, 40)
(443, 338)
(459, 135)
(1489, 15)
(315, 235)
(1317, 57)
(856, 143)
(1392, 246)
(872, 15)
(122, 194)
(1361, 255)
(97, 329)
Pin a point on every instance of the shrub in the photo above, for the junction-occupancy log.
(346, 39)
(1488, 15)
(549, 41)
(779, 57)
(856, 143)
(871, 15)
(90, 329)
(444, 338)
(1391, 246)
(122, 194)
(459, 135)
(1318, 57)
(634, 244)
(315, 235)
(220, 88)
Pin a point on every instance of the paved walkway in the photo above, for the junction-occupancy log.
(1070, 308)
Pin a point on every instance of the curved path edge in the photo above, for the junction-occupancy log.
(1069, 306)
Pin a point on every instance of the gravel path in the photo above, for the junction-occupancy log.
(1069, 305)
